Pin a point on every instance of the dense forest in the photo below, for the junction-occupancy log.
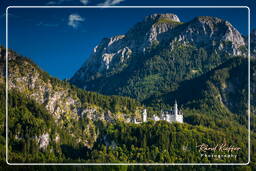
(117, 142)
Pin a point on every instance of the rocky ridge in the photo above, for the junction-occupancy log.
(209, 32)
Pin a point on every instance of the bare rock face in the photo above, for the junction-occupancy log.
(111, 53)
(162, 24)
(212, 32)
(153, 28)
(117, 50)
(109, 49)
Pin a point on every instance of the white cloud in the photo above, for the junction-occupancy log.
(74, 20)
(57, 2)
(84, 2)
(110, 2)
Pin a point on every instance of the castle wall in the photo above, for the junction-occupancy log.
(179, 118)
(172, 118)
(175, 118)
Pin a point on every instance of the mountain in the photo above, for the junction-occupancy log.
(156, 54)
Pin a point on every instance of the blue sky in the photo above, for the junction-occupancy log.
(60, 40)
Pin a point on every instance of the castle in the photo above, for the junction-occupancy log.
(174, 115)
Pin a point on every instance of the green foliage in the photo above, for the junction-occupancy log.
(112, 103)
(159, 142)
(168, 66)
(167, 21)
(116, 142)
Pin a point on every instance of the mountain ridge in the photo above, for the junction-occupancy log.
(113, 56)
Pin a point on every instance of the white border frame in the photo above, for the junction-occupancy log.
(166, 164)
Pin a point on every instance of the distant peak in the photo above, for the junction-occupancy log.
(168, 16)
(207, 19)
(211, 21)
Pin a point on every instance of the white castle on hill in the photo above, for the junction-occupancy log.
(174, 115)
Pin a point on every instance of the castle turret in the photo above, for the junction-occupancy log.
(176, 108)
(178, 116)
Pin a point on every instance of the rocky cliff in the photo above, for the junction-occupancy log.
(66, 104)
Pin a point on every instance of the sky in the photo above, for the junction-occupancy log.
(60, 40)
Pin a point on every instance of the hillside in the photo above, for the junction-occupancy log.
(40, 132)
(45, 111)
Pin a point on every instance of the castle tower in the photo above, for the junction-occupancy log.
(144, 115)
(176, 108)
(178, 116)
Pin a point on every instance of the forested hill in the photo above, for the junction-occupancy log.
(44, 111)
(225, 85)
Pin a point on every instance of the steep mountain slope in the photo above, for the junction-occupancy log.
(44, 111)
(58, 97)
(225, 83)
(221, 93)
(158, 53)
